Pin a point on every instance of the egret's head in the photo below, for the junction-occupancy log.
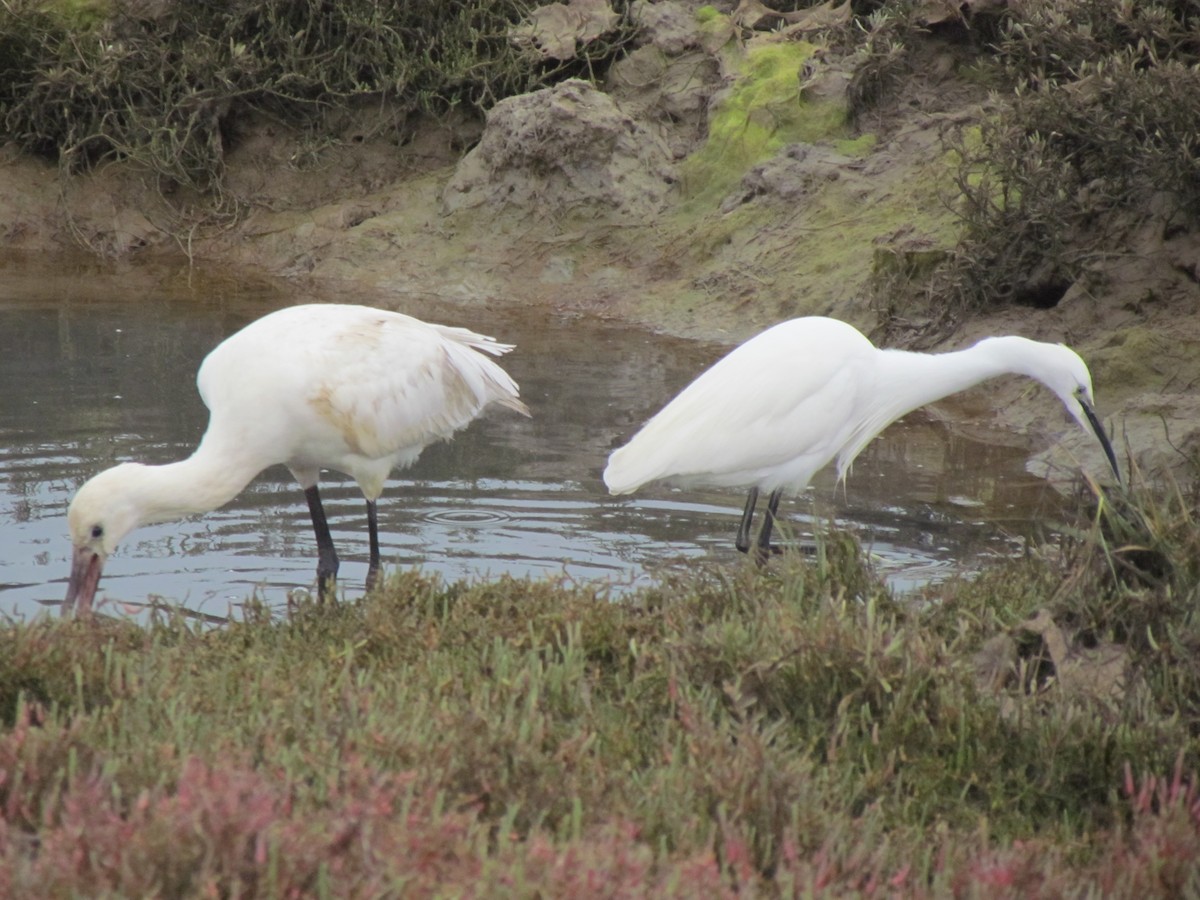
(101, 514)
(1063, 371)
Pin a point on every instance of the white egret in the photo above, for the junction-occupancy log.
(350, 388)
(781, 406)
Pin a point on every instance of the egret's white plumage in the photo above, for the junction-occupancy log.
(350, 388)
(781, 406)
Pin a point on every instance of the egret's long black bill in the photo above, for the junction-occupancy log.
(1099, 429)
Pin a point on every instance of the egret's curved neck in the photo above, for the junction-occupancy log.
(211, 477)
(920, 378)
(906, 381)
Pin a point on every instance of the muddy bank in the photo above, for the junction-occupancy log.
(709, 187)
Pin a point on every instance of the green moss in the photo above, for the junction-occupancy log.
(707, 14)
(1131, 358)
(856, 147)
(763, 112)
(811, 254)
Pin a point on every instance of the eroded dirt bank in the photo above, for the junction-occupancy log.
(709, 187)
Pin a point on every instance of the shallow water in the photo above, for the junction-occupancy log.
(97, 366)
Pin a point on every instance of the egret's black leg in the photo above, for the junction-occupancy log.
(764, 549)
(373, 534)
(327, 558)
(743, 535)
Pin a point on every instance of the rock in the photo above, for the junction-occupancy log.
(791, 176)
(672, 93)
(668, 26)
(564, 149)
(556, 30)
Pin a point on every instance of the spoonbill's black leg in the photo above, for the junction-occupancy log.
(373, 534)
(327, 558)
(764, 549)
(743, 535)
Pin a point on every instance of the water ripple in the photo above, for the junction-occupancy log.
(506, 496)
(467, 517)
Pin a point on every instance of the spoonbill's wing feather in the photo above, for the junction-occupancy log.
(349, 387)
(422, 384)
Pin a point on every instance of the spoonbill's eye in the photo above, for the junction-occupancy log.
(97, 531)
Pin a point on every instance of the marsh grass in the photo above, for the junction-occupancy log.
(730, 731)
(164, 84)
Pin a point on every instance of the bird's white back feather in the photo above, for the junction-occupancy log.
(749, 418)
(804, 392)
(351, 388)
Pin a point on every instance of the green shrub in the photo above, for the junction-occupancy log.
(1101, 127)
(161, 90)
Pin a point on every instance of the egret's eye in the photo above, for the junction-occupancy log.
(97, 531)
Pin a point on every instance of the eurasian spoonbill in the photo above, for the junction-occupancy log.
(344, 387)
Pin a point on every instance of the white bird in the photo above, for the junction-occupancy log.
(350, 388)
(781, 406)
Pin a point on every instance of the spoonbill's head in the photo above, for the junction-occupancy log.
(1063, 371)
(101, 514)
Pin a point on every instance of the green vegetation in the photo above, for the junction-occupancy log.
(1090, 130)
(167, 84)
(764, 111)
(734, 731)
(1099, 131)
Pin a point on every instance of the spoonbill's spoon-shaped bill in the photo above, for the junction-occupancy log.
(778, 408)
(344, 387)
